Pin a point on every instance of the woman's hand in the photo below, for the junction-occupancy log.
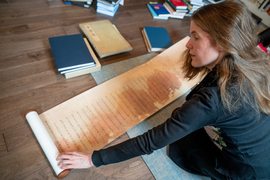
(75, 160)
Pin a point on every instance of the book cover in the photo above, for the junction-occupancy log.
(158, 38)
(178, 3)
(154, 14)
(105, 39)
(70, 52)
(85, 70)
(160, 9)
(176, 8)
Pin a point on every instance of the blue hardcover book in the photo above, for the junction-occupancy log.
(158, 38)
(70, 52)
(160, 9)
(154, 14)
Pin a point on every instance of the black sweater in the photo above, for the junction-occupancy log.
(246, 135)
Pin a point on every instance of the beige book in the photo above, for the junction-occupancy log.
(86, 70)
(104, 37)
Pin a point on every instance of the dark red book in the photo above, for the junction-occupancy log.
(178, 3)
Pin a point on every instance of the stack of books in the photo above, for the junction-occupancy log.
(156, 39)
(107, 7)
(169, 9)
(73, 55)
(178, 9)
(174, 8)
(82, 3)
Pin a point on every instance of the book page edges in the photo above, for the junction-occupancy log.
(87, 70)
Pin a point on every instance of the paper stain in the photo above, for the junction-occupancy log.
(113, 115)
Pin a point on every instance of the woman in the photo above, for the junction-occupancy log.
(234, 97)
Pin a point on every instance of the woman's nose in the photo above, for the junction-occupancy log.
(188, 45)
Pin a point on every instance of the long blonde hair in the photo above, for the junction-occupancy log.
(245, 69)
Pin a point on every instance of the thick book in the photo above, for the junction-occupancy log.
(160, 9)
(85, 70)
(105, 38)
(154, 14)
(157, 38)
(70, 51)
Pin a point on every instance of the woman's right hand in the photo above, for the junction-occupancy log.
(75, 160)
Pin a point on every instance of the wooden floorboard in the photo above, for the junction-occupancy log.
(29, 78)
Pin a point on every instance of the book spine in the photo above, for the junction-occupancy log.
(170, 3)
(151, 10)
(189, 6)
(169, 8)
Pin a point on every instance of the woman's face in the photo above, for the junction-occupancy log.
(203, 50)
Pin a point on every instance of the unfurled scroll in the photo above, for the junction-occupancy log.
(96, 117)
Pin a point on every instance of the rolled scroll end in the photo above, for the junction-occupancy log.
(29, 112)
(63, 174)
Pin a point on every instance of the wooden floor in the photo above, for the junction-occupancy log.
(29, 79)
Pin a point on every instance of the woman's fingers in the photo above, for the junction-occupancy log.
(75, 160)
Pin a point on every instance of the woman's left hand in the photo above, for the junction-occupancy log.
(74, 160)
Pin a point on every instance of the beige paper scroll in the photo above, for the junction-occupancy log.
(94, 118)
(46, 142)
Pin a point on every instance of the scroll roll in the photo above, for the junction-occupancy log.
(45, 142)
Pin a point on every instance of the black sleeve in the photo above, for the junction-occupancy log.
(199, 111)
